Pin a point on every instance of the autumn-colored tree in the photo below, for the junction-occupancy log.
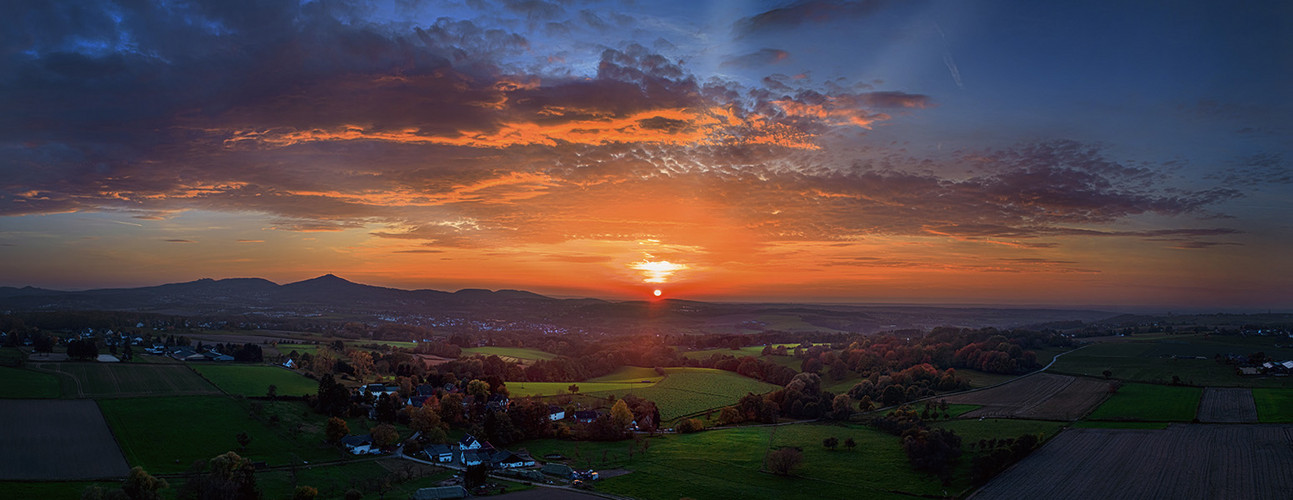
(305, 493)
(784, 461)
(385, 435)
(336, 429)
(478, 389)
(621, 417)
(361, 362)
(427, 421)
(140, 485)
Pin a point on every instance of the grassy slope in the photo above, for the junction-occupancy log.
(687, 391)
(115, 379)
(1274, 405)
(19, 383)
(167, 434)
(255, 380)
(1150, 403)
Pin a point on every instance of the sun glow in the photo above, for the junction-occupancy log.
(656, 272)
(657, 292)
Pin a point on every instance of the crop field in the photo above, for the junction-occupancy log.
(19, 383)
(286, 349)
(1150, 403)
(255, 380)
(1179, 355)
(114, 380)
(688, 391)
(1227, 405)
(1274, 405)
(624, 380)
(1041, 396)
(1183, 461)
(167, 434)
(57, 440)
(510, 354)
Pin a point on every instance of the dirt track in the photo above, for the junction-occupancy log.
(57, 440)
(1182, 461)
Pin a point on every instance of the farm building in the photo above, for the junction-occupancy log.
(439, 493)
(556, 413)
(439, 453)
(476, 457)
(360, 445)
(108, 358)
(504, 459)
(469, 442)
(585, 416)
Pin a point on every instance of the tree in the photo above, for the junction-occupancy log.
(475, 475)
(225, 477)
(354, 494)
(479, 389)
(621, 417)
(272, 392)
(841, 407)
(850, 444)
(140, 485)
(1107, 374)
(336, 429)
(305, 493)
(243, 440)
(385, 435)
(690, 425)
(361, 362)
(783, 462)
(935, 451)
(831, 442)
(574, 388)
(427, 421)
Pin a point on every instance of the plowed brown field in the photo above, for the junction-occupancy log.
(1042, 396)
(57, 440)
(1182, 461)
(1227, 405)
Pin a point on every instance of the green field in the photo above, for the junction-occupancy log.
(367, 476)
(509, 353)
(127, 379)
(1274, 406)
(625, 379)
(726, 463)
(1157, 360)
(20, 383)
(1150, 403)
(167, 434)
(255, 380)
(688, 391)
(286, 349)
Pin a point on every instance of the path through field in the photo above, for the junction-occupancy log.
(1182, 461)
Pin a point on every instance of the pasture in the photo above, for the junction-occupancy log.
(689, 391)
(57, 440)
(1040, 396)
(167, 434)
(247, 380)
(1189, 357)
(510, 354)
(1227, 405)
(27, 384)
(114, 380)
(1183, 461)
(1150, 403)
(1274, 405)
(626, 379)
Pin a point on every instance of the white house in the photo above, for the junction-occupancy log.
(360, 445)
(556, 413)
(439, 453)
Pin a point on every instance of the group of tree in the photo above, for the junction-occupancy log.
(932, 450)
(995, 455)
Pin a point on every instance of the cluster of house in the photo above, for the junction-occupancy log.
(471, 451)
(495, 402)
(1277, 368)
(185, 353)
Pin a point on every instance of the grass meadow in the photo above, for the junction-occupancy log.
(1150, 403)
(248, 380)
(27, 384)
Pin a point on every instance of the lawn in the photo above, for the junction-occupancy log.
(255, 380)
(1150, 403)
(167, 434)
(512, 353)
(20, 383)
(1274, 406)
(128, 379)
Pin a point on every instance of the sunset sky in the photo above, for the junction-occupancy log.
(985, 152)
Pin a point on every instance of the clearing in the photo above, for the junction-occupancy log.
(1227, 405)
(1183, 461)
(1041, 396)
(57, 440)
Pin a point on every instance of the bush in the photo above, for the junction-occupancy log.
(689, 426)
(784, 461)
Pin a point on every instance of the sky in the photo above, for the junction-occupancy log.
(990, 152)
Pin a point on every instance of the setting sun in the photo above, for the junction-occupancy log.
(657, 293)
